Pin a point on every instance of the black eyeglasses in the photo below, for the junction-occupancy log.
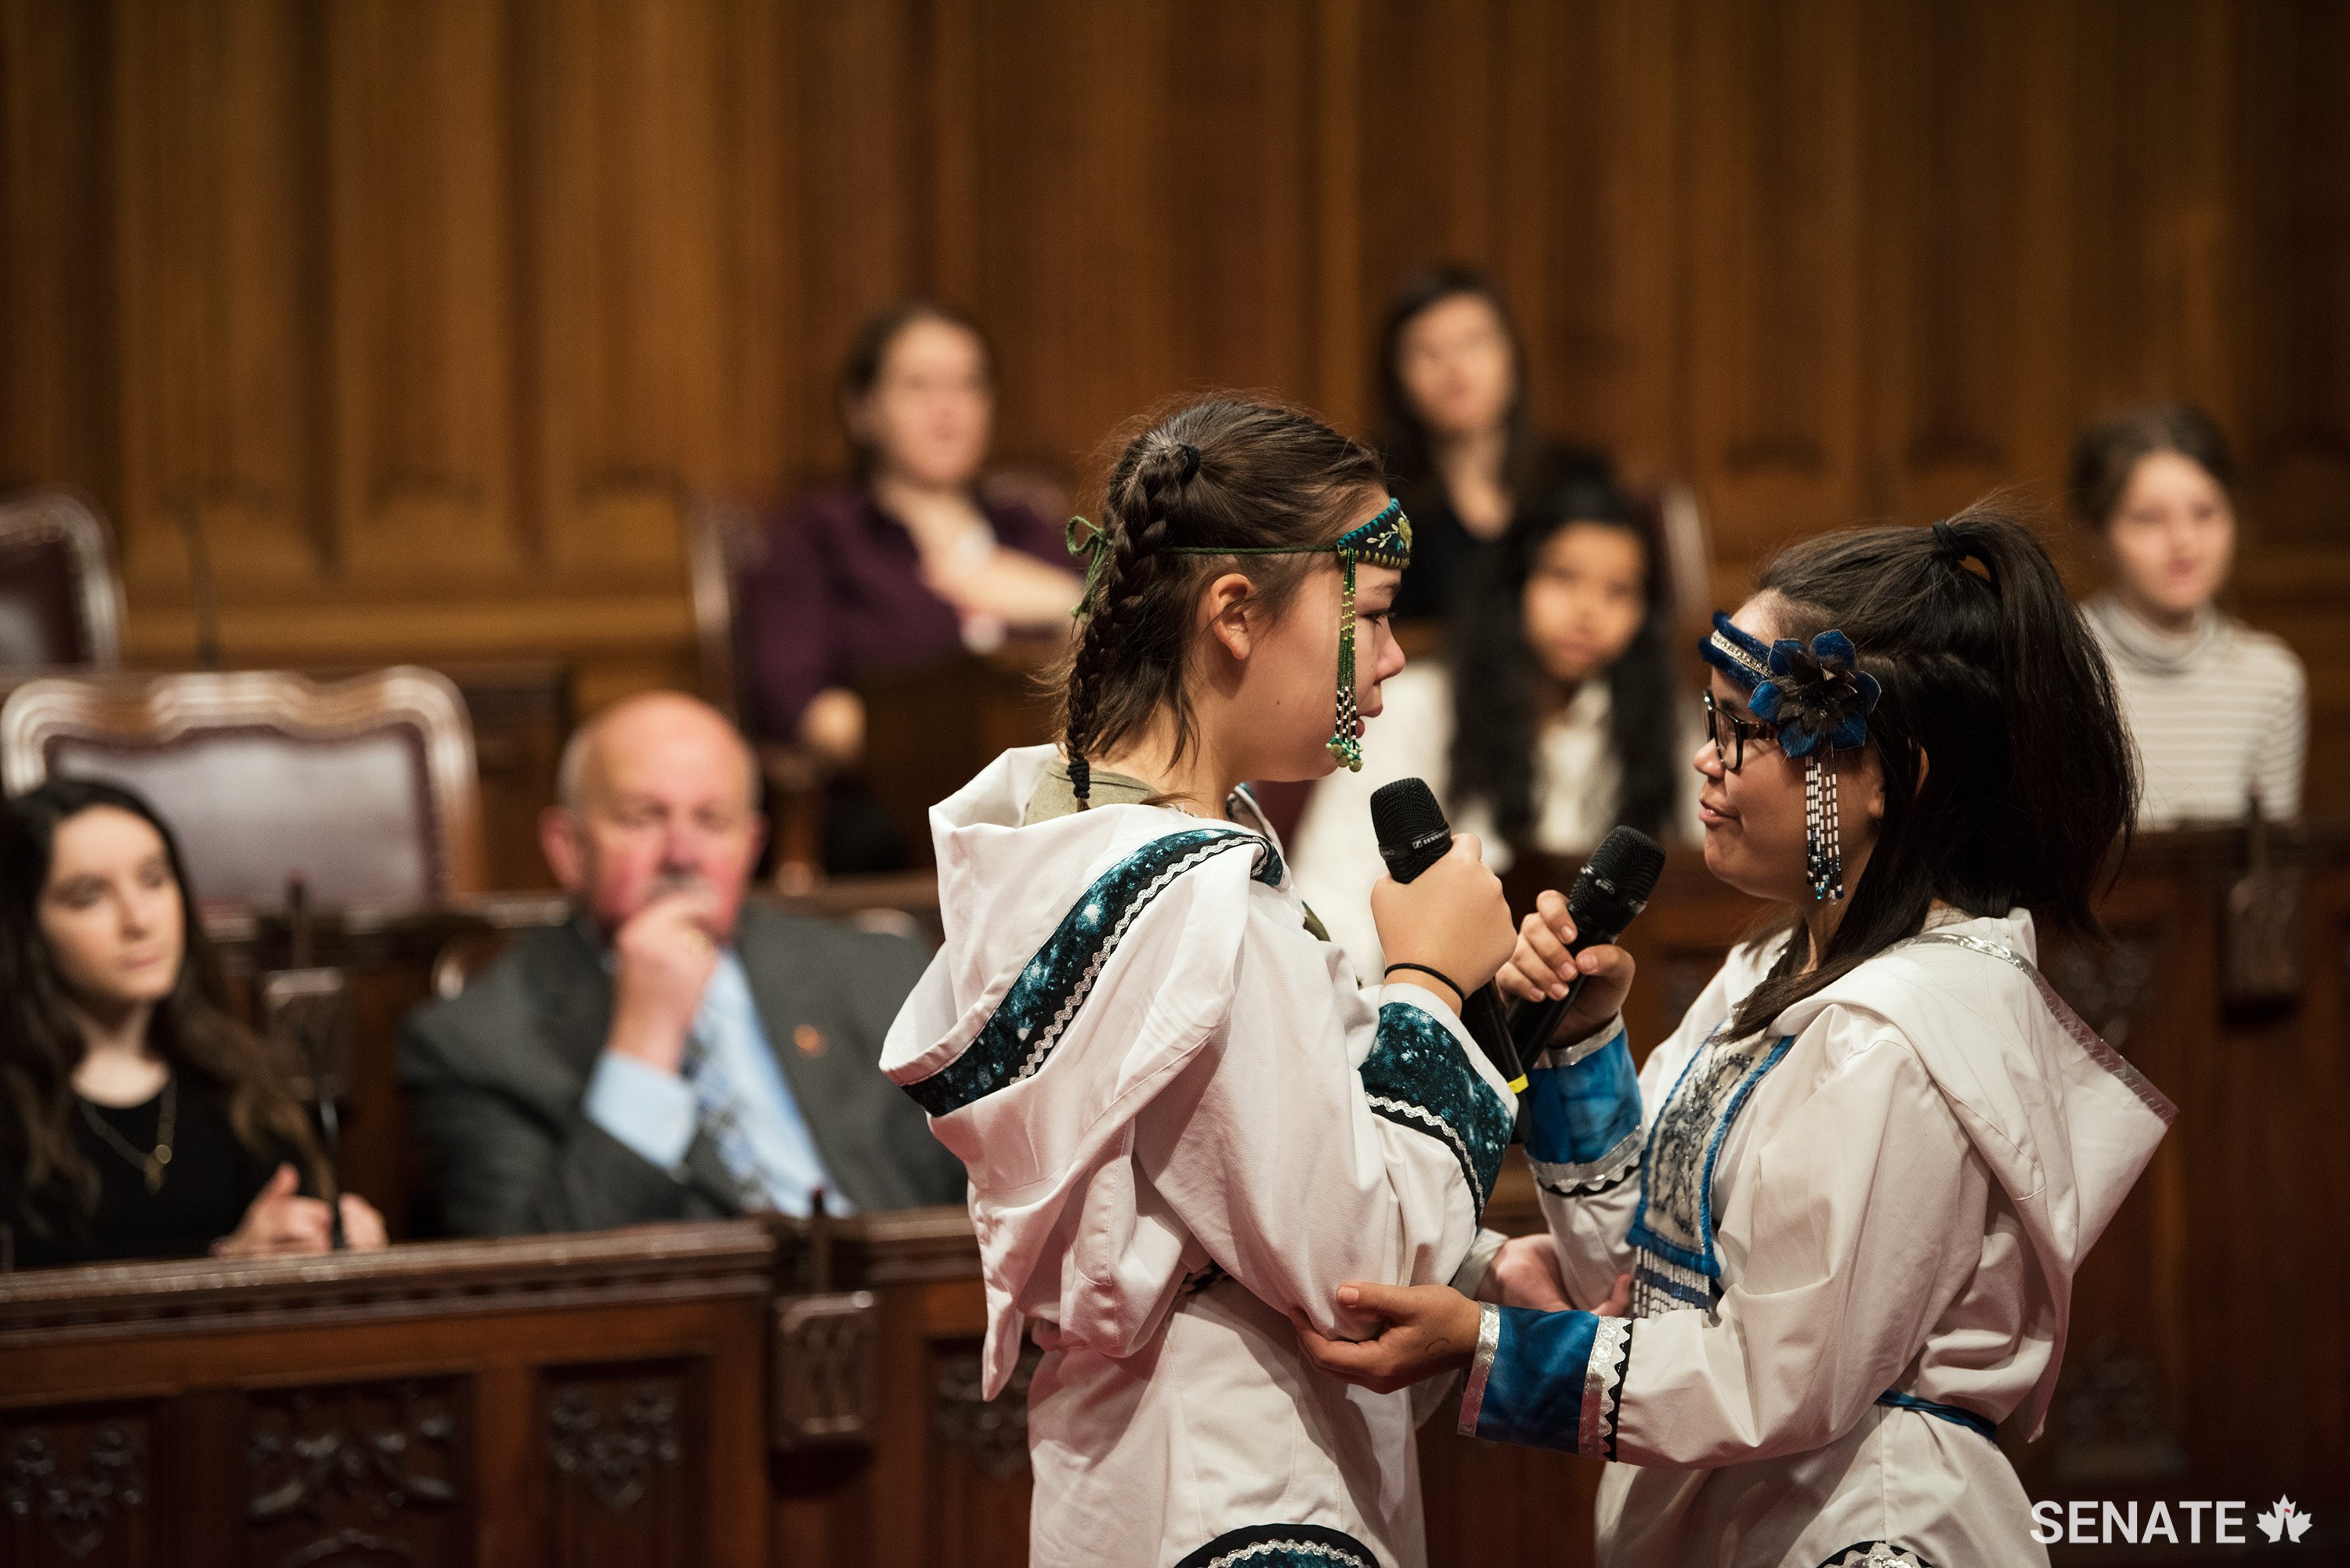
(1730, 733)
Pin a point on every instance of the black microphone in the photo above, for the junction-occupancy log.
(1610, 891)
(1413, 836)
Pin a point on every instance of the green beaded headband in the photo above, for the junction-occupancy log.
(1383, 541)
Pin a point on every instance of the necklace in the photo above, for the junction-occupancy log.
(152, 1164)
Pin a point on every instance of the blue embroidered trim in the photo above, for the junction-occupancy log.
(1898, 1400)
(1037, 1009)
(1641, 1235)
(1555, 1380)
(1580, 1115)
(1418, 1076)
(1281, 1546)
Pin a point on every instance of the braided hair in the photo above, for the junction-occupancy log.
(1223, 471)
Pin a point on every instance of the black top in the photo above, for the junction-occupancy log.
(1443, 551)
(208, 1185)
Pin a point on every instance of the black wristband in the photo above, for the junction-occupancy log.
(1440, 975)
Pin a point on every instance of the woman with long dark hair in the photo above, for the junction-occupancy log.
(1555, 714)
(1459, 445)
(1826, 1238)
(139, 1119)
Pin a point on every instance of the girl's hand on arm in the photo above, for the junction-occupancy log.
(1451, 916)
(1541, 968)
(1425, 1330)
(1526, 1273)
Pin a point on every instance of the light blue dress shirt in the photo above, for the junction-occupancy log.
(652, 1112)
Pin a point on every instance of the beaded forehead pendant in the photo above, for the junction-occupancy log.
(1383, 541)
(1819, 703)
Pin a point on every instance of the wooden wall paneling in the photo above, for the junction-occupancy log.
(628, 179)
(57, 341)
(1343, 368)
(1082, 264)
(419, 278)
(1772, 357)
(2292, 257)
(221, 344)
(1432, 127)
(1592, 215)
(1957, 378)
(859, 166)
(2153, 102)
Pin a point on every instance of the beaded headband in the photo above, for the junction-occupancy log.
(1819, 703)
(1383, 541)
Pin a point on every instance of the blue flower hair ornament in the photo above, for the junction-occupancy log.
(1812, 695)
(1816, 696)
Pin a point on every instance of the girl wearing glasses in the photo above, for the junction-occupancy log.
(1827, 1236)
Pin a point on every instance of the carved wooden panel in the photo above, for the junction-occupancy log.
(77, 1487)
(358, 1474)
(620, 1446)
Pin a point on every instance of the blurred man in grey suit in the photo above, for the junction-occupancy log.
(671, 1052)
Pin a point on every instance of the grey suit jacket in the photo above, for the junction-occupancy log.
(495, 1078)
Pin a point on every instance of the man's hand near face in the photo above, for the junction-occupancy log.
(664, 956)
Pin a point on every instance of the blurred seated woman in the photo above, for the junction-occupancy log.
(2220, 711)
(910, 564)
(141, 1119)
(1555, 716)
(1459, 446)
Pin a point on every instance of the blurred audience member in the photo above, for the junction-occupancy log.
(910, 564)
(2220, 711)
(1459, 446)
(1555, 716)
(141, 1120)
(671, 1052)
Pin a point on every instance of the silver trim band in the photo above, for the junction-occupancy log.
(1481, 1367)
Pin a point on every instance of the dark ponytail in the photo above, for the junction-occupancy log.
(2009, 772)
(1221, 472)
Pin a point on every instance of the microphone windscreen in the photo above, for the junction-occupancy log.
(1614, 884)
(1412, 832)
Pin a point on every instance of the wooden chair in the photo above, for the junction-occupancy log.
(60, 606)
(365, 788)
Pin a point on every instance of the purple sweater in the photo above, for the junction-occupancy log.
(840, 594)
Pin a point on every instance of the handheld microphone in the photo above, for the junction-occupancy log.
(1610, 892)
(1413, 836)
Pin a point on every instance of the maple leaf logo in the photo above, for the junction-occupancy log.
(2282, 1518)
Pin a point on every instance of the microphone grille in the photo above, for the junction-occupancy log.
(1629, 859)
(1404, 810)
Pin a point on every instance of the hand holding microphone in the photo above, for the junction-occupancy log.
(1566, 974)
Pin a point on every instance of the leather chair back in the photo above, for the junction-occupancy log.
(365, 788)
(60, 606)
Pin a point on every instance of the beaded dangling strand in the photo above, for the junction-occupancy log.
(1822, 831)
(1342, 742)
